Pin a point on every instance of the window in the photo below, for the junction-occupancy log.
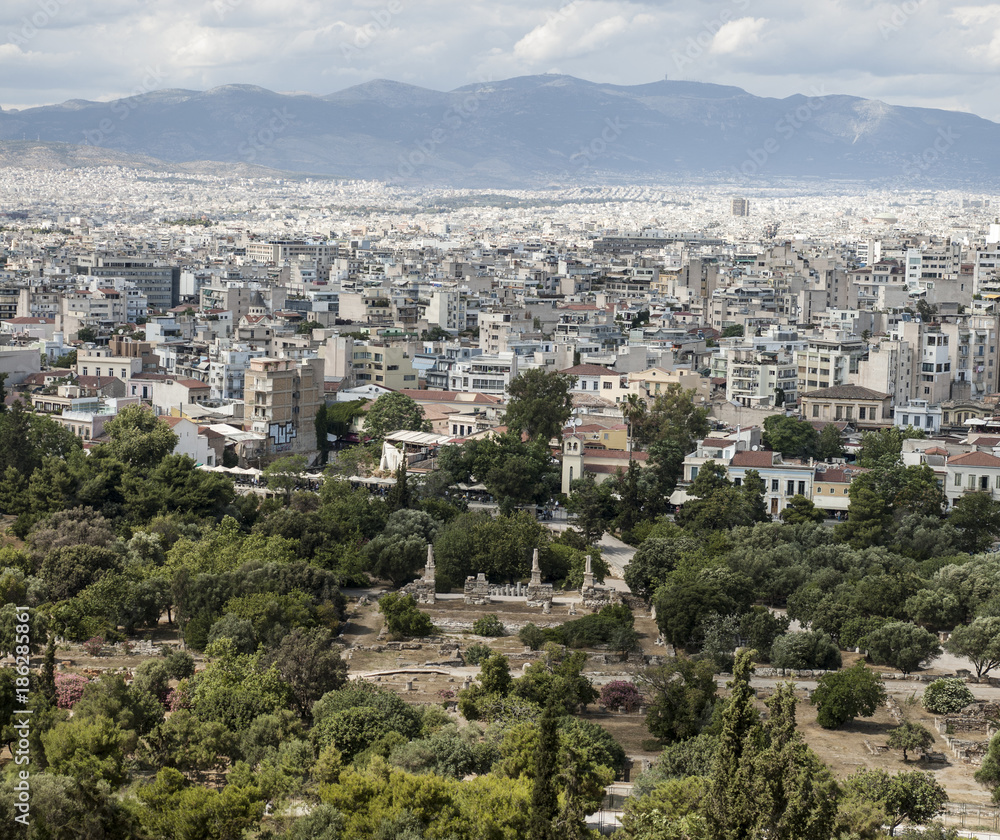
(595, 385)
(927, 391)
(802, 488)
(958, 479)
(694, 473)
(861, 413)
(815, 411)
(774, 485)
(606, 385)
(832, 490)
(737, 482)
(789, 488)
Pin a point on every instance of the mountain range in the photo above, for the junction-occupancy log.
(526, 131)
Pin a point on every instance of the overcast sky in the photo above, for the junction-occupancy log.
(911, 52)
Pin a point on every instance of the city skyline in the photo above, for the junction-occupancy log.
(917, 53)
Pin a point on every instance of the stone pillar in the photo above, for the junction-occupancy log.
(588, 575)
(536, 571)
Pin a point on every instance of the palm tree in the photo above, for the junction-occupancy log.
(633, 410)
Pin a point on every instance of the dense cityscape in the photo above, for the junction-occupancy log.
(339, 509)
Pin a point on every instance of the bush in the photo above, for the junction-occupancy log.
(844, 695)
(69, 689)
(489, 625)
(532, 636)
(476, 653)
(94, 645)
(621, 694)
(947, 696)
(812, 649)
(402, 618)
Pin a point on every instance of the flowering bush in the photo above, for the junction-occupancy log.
(621, 694)
(178, 698)
(94, 645)
(69, 689)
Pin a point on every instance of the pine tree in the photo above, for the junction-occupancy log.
(544, 796)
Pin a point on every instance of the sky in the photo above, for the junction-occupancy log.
(929, 53)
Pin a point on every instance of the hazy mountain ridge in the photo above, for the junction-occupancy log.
(518, 131)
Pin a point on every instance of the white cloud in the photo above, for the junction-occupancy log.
(737, 35)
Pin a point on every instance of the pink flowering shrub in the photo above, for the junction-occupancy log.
(69, 689)
(94, 645)
(621, 694)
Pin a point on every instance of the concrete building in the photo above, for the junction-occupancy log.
(282, 397)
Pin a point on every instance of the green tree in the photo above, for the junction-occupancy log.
(138, 437)
(282, 475)
(913, 797)
(681, 695)
(979, 642)
(902, 645)
(673, 424)
(544, 795)
(790, 436)
(977, 518)
(682, 606)
(401, 549)
(909, 736)
(540, 403)
(988, 773)
(947, 696)
(594, 506)
(805, 650)
(844, 695)
(394, 412)
(884, 446)
(89, 751)
(830, 445)
(801, 509)
(309, 664)
(402, 618)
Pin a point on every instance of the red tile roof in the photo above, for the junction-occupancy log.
(749, 458)
(975, 459)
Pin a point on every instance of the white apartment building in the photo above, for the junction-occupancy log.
(488, 373)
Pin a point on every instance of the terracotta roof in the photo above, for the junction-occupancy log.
(846, 392)
(838, 475)
(617, 454)
(590, 370)
(975, 459)
(749, 458)
(26, 320)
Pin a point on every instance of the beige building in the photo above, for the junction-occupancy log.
(282, 397)
(852, 404)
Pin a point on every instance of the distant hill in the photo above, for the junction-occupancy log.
(525, 131)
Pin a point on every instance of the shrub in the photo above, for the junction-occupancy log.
(69, 689)
(402, 618)
(843, 695)
(489, 625)
(532, 636)
(947, 696)
(94, 645)
(476, 653)
(813, 649)
(621, 694)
